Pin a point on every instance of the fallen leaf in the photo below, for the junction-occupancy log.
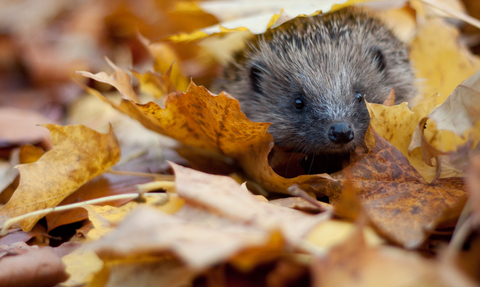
(225, 196)
(30, 153)
(81, 265)
(41, 267)
(155, 232)
(160, 272)
(217, 125)
(59, 172)
(458, 114)
(15, 249)
(338, 232)
(397, 124)
(396, 198)
(101, 186)
(300, 204)
(473, 185)
(105, 218)
(22, 128)
(236, 16)
(354, 263)
(439, 60)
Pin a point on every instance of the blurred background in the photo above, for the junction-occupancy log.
(43, 43)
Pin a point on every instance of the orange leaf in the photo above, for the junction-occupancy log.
(78, 155)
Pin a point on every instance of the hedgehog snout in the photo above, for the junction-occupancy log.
(341, 133)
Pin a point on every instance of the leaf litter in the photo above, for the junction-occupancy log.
(387, 201)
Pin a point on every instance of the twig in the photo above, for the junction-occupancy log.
(14, 220)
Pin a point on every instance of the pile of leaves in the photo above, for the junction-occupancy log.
(152, 180)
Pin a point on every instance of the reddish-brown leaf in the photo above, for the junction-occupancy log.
(395, 196)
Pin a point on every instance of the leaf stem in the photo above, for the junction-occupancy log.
(14, 220)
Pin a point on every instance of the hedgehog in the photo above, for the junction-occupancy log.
(311, 77)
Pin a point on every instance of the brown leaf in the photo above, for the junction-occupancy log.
(40, 267)
(301, 204)
(353, 263)
(15, 249)
(198, 246)
(216, 124)
(119, 79)
(473, 185)
(390, 100)
(225, 196)
(22, 127)
(348, 205)
(79, 154)
(395, 196)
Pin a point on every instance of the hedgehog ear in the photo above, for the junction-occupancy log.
(255, 77)
(378, 57)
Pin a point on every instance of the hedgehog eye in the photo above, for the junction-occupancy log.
(299, 104)
(359, 97)
(255, 75)
(378, 58)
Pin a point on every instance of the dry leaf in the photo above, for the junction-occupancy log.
(159, 272)
(439, 61)
(79, 154)
(458, 114)
(22, 127)
(236, 16)
(397, 124)
(224, 195)
(473, 185)
(101, 186)
(461, 110)
(198, 246)
(105, 218)
(81, 264)
(40, 268)
(216, 124)
(394, 195)
(354, 263)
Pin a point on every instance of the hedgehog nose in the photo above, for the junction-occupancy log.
(341, 133)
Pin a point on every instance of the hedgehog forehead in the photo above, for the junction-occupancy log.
(315, 73)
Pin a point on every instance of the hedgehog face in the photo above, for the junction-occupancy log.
(310, 78)
(312, 112)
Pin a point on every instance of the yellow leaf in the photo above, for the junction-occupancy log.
(236, 16)
(104, 217)
(78, 155)
(81, 264)
(149, 270)
(440, 62)
(396, 124)
(332, 232)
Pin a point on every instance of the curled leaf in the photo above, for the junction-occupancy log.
(78, 155)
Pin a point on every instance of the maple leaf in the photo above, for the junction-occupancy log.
(72, 162)
(215, 124)
(394, 195)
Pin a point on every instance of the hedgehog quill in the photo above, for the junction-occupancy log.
(310, 78)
